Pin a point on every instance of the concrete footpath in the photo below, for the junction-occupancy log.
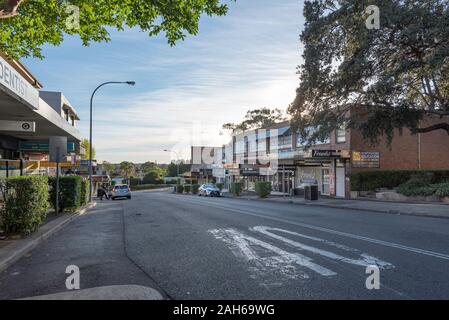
(435, 210)
(13, 250)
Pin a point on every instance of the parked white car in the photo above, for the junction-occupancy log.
(209, 190)
(120, 191)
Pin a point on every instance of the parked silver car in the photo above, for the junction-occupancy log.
(120, 191)
(209, 190)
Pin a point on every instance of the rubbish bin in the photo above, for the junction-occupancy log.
(311, 192)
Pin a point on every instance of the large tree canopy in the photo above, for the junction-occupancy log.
(257, 118)
(393, 76)
(26, 25)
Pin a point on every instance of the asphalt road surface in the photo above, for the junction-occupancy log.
(190, 247)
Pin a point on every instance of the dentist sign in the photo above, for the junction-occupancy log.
(16, 86)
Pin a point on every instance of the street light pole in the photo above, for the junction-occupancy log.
(177, 155)
(131, 83)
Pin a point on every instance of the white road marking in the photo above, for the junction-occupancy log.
(242, 246)
(364, 260)
(327, 230)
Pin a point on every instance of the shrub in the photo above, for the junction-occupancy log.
(85, 191)
(372, 180)
(187, 188)
(150, 186)
(195, 188)
(220, 186)
(236, 188)
(179, 188)
(134, 182)
(25, 204)
(69, 192)
(442, 190)
(263, 189)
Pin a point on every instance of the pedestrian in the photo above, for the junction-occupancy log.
(103, 193)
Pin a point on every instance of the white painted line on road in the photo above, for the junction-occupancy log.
(282, 262)
(327, 230)
(365, 259)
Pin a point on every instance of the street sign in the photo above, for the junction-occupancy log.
(58, 148)
(17, 126)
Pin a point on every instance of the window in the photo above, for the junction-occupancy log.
(285, 142)
(340, 134)
(240, 147)
(300, 143)
(252, 143)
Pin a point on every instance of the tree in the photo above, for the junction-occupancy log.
(25, 25)
(389, 78)
(126, 169)
(257, 118)
(172, 169)
(154, 176)
(109, 167)
(148, 166)
(85, 144)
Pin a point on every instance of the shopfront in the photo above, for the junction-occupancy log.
(327, 168)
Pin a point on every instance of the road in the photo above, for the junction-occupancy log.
(190, 247)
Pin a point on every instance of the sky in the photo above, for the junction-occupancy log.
(183, 94)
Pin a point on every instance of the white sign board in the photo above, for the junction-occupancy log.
(17, 126)
(16, 86)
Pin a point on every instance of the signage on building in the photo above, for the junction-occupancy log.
(15, 85)
(85, 163)
(57, 148)
(326, 153)
(365, 159)
(41, 146)
(249, 170)
(17, 126)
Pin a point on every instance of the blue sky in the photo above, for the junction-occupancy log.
(184, 94)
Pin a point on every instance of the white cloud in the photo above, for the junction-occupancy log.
(244, 60)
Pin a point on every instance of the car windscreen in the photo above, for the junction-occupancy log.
(121, 187)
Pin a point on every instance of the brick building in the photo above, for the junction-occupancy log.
(331, 162)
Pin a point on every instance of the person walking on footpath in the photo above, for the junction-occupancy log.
(103, 193)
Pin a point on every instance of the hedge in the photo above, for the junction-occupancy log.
(411, 189)
(134, 182)
(150, 186)
(263, 189)
(187, 188)
(25, 204)
(85, 191)
(179, 188)
(69, 192)
(390, 179)
(236, 188)
(195, 188)
(220, 186)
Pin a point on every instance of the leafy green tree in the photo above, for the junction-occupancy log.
(126, 169)
(109, 167)
(148, 166)
(373, 80)
(173, 167)
(257, 118)
(85, 144)
(154, 176)
(26, 25)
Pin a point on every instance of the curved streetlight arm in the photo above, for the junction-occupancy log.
(131, 83)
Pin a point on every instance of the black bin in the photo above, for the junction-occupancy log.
(311, 192)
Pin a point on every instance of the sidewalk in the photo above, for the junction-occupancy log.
(13, 250)
(436, 210)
